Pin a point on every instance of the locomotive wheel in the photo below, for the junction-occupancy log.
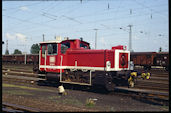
(166, 68)
(147, 67)
(109, 86)
(52, 77)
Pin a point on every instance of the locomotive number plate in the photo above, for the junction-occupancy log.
(52, 60)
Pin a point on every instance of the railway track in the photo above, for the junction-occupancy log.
(17, 67)
(8, 107)
(142, 84)
(22, 79)
(154, 71)
(161, 75)
(158, 82)
(153, 85)
(19, 70)
(19, 73)
(155, 97)
(159, 96)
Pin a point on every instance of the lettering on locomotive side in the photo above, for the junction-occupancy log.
(52, 60)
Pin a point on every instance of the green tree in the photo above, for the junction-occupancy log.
(6, 52)
(16, 51)
(35, 49)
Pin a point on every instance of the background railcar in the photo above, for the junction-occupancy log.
(149, 59)
(32, 58)
(7, 58)
(21, 59)
(162, 59)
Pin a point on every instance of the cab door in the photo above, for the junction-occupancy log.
(42, 57)
(51, 57)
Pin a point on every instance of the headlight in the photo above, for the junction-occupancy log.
(108, 65)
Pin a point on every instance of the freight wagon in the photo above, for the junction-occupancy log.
(149, 59)
(21, 59)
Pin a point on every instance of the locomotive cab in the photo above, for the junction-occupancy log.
(48, 55)
(51, 53)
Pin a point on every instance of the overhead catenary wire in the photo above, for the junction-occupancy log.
(53, 17)
(27, 21)
(23, 6)
(22, 20)
(104, 11)
(120, 18)
(152, 10)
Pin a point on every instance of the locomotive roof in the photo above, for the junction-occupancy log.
(59, 41)
(75, 39)
(52, 41)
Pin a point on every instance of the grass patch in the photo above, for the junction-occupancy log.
(165, 107)
(72, 102)
(18, 92)
(17, 86)
(25, 87)
(54, 97)
(90, 103)
(69, 101)
(112, 109)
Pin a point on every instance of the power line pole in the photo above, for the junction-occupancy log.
(108, 6)
(2, 46)
(7, 45)
(43, 38)
(130, 37)
(55, 36)
(96, 38)
(7, 51)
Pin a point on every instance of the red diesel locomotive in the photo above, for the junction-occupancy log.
(72, 61)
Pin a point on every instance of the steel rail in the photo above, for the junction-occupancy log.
(17, 108)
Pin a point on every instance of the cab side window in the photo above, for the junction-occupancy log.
(43, 50)
(52, 49)
(83, 45)
(64, 47)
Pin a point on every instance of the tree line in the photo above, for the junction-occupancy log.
(34, 50)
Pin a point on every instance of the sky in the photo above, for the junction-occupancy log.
(25, 22)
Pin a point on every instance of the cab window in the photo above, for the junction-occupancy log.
(64, 47)
(83, 45)
(52, 49)
(43, 50)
